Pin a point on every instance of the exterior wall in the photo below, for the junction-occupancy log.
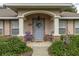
(6, 27)
(48, 26)
(28, 25)
(70, 27)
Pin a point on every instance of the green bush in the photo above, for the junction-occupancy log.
(58, 48)
(13, 46)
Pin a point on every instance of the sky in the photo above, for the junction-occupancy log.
(75, 2)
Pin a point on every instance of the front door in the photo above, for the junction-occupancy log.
(38, 28)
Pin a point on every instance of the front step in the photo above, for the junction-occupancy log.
(40, 51)
(39, 48)
(39, 44)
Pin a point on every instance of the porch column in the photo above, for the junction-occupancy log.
(56, 26)
(21, 26)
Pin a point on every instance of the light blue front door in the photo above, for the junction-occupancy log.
(38, 27)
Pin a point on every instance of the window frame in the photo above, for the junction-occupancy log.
(65, 27)
(76, 33)
(2, 27)
(17, 28)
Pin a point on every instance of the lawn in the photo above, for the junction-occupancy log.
(13, 46)
(58, 48)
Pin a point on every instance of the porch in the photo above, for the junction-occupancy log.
(40, 24)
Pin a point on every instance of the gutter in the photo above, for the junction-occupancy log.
(9, 18)
(37, 4)
(69, 17)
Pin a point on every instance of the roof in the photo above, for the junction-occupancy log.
(7, 12)
(69, 14)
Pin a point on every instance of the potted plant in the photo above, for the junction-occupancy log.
(28, 36)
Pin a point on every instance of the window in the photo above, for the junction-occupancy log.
(77, 26)
(62, 26)
(1, 27)
(14, 27)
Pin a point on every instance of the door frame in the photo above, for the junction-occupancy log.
(33, 29)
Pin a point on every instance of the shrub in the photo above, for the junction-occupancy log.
(59, 49)
(56, 48)
(13, 46)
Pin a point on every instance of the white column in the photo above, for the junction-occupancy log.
(21, 26)
(56, 26)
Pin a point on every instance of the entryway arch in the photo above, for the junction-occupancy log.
(38, 11)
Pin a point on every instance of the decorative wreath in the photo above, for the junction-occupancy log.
(38, 24)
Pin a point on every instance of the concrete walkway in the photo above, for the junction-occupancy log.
(39, 48)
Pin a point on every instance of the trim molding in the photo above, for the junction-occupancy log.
(37, 4)
(38, 11)
(9, 18)
(69, 17)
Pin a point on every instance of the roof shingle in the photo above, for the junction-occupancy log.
(69, 14)
(7, 12)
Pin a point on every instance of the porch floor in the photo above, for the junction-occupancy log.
(39, 48)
